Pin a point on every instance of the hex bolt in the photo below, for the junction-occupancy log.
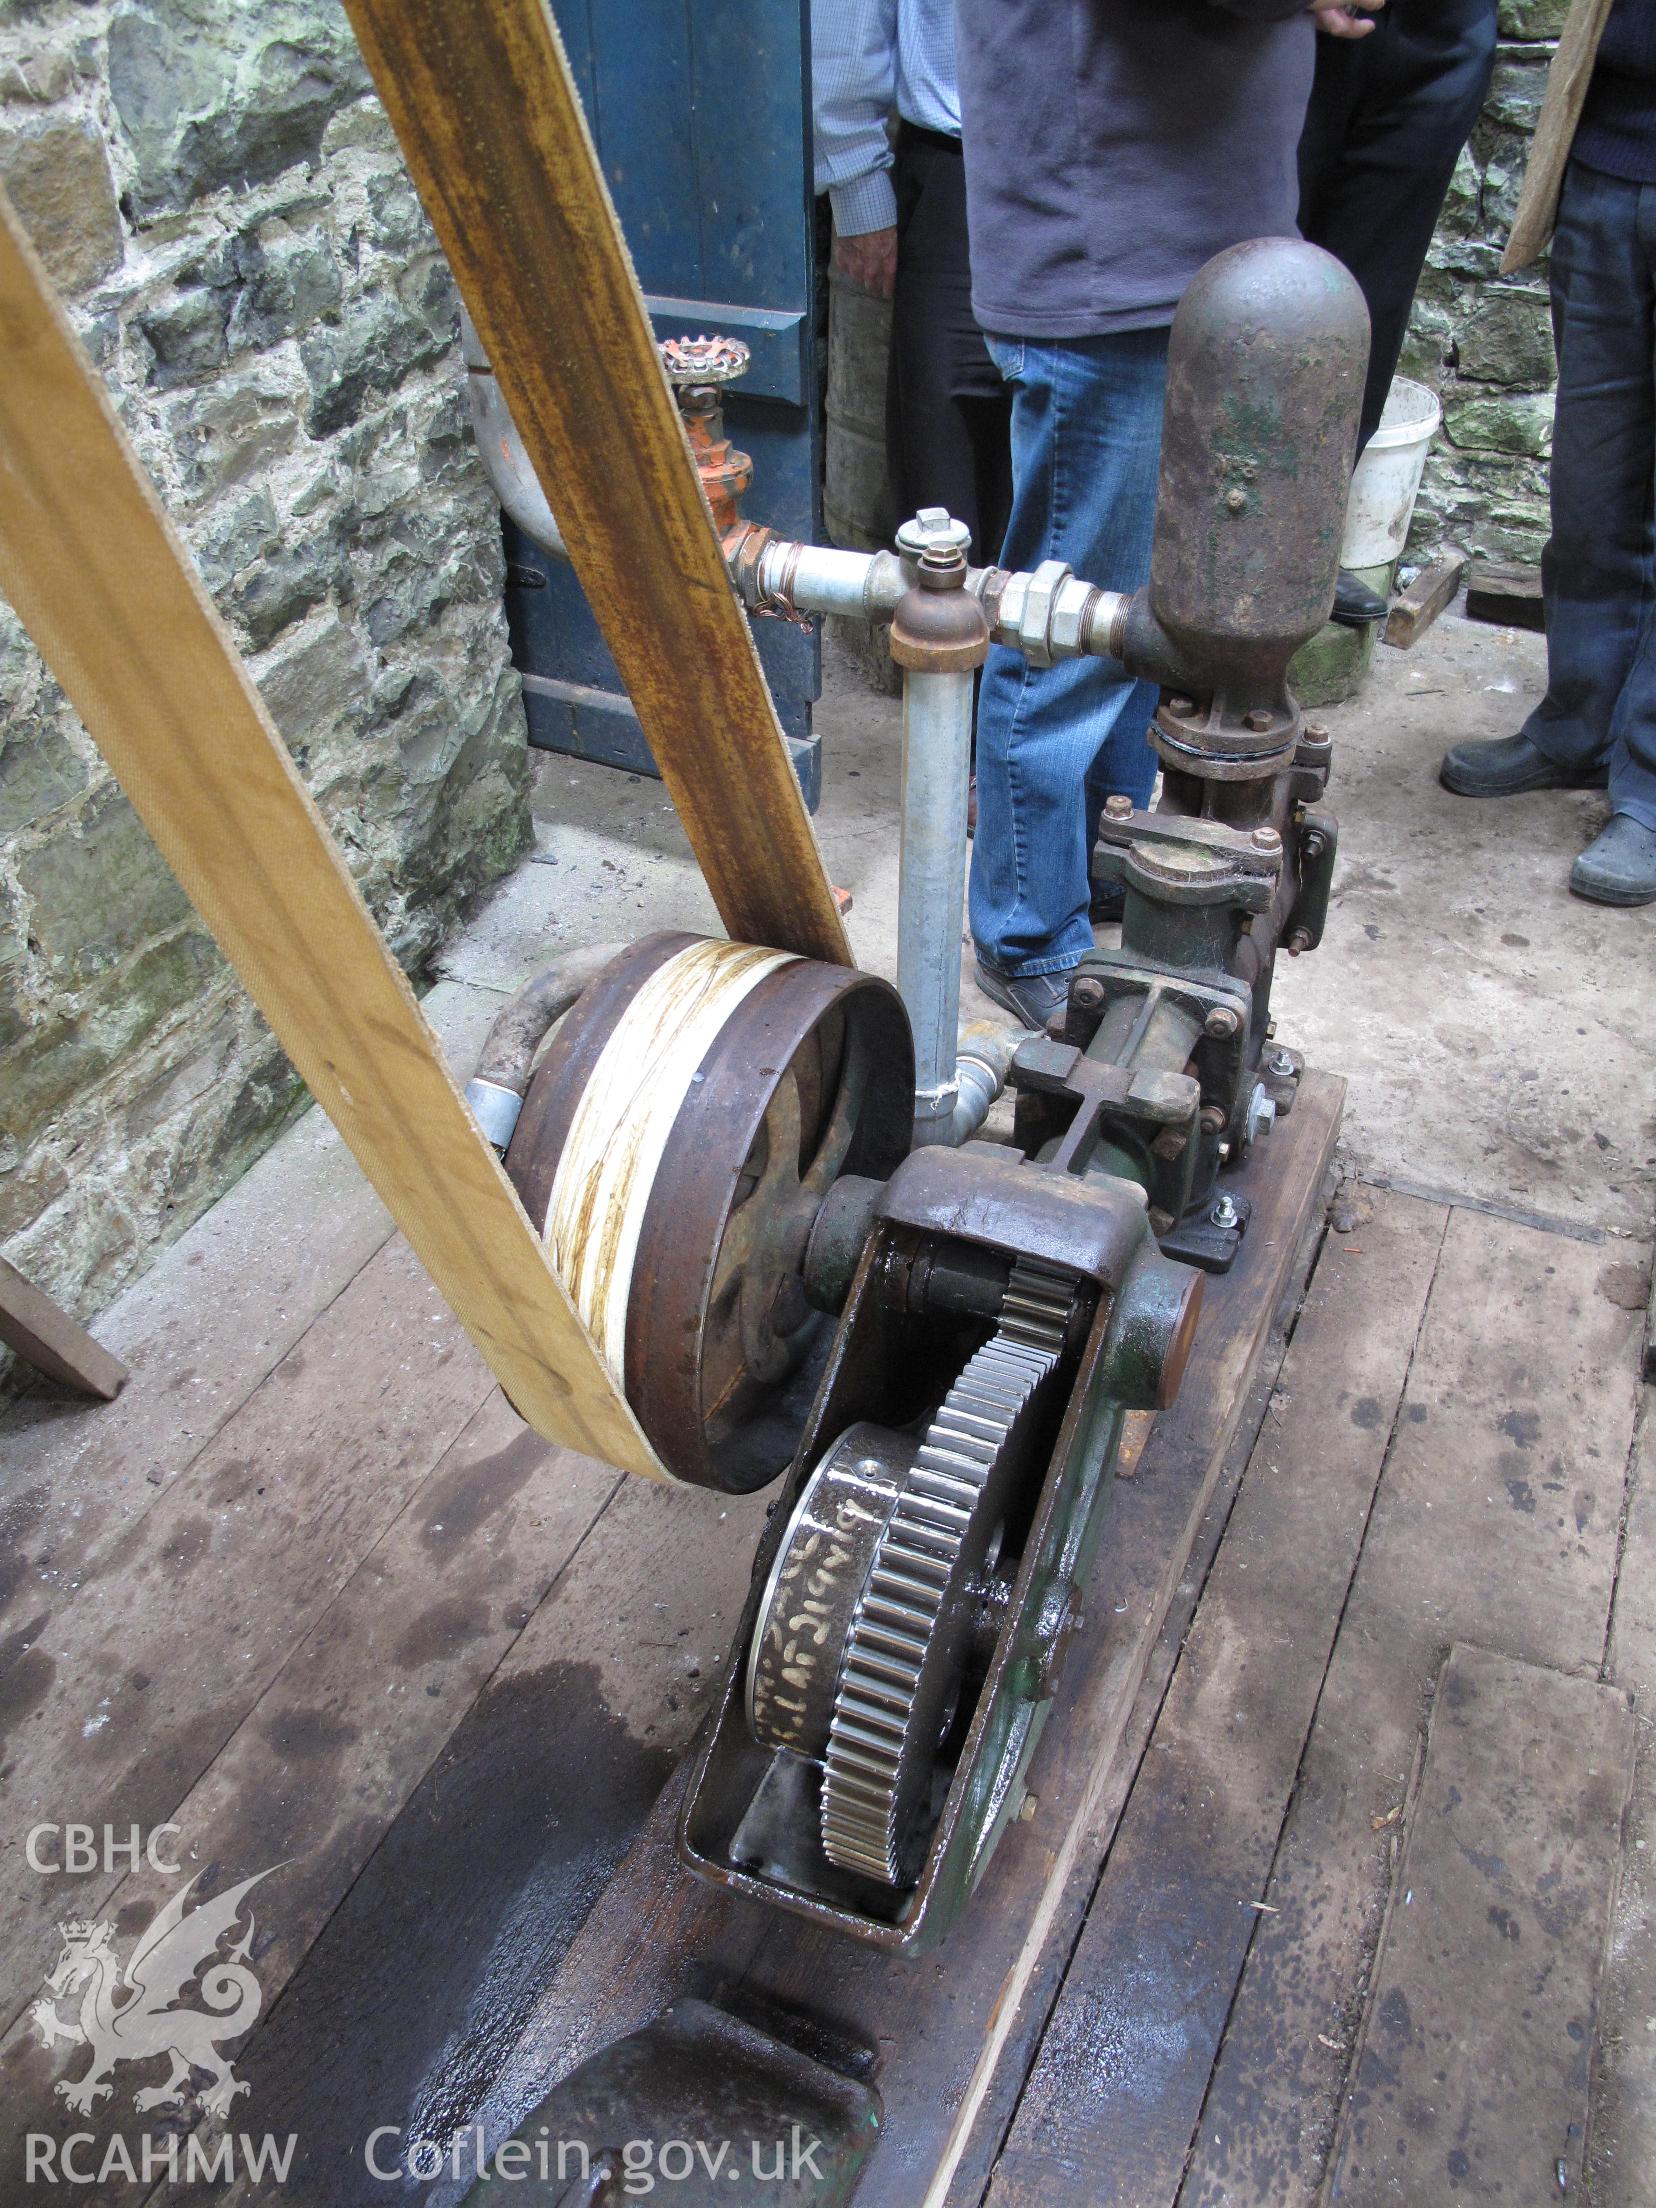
(1224, 1213)
(1258, 722)
(1223, 1022)
(1299, 941)
(1213, 1120)
(1266, 839)
(1118, 808)
(1280, 1064)
(1087, 994)
(1181, 706)
(1315, 732)
(1313, 845)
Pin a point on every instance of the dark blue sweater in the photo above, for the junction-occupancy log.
(1113, 146)
(1617, 131)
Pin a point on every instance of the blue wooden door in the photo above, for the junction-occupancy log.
(700, 109)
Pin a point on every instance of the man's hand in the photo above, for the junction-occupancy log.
(1346, 19)
(869, 260)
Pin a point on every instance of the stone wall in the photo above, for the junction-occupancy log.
(219, 197)
(1484, 341)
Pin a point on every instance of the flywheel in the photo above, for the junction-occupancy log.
(865, 1634)
(676, 1143)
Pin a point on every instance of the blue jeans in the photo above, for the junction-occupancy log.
(1597, 572)
(1054, 742)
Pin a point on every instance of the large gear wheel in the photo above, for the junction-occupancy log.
(863, 1640)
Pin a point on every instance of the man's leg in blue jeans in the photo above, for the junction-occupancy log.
(1600, 707)
(1054, 742)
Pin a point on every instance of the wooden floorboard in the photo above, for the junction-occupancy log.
(213, 1317)
(1622, 2132)
(1471, 2078)
(125, 1697)
(317, 1771)
(943, 2022)
(199, 1336)
(1003, 2086)
(434, 1961)
(1496, 1523)
(1108, 2110)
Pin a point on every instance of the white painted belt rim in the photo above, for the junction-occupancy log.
(620, 1129)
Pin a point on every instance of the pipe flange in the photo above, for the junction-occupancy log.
(939, 628)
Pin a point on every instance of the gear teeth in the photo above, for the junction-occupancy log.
(892, 1634)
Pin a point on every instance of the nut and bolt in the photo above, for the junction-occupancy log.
(1223, 1022)
(1213, 1119)
(1181, 706)
(1258, 722)
(1224, 1213)
(1118, 808)
(1315, 732)
(1266, 839)
(1261, 1114)
(1313, 846)
(1236, 502)
(1299, 941)
(1087, 994)
(1280, 1065)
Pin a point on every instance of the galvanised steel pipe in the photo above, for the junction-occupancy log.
(937, 769)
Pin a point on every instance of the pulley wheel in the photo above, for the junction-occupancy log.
(689, 1116)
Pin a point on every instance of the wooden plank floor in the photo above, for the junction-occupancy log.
(309, 1590)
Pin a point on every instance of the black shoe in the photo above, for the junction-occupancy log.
(1107, 902)
(1619, 867)
(1355, 605)
(1032, 998)
(1506, 766)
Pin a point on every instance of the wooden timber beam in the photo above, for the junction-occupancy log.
(481, 96)
(107, 591)
(45, 1336)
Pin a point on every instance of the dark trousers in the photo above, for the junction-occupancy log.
(948, 414)
(1388, 118)
(1600, 706)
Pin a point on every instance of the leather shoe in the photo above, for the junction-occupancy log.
(1619, 866)
(1032, 998)
(1506, 766)
(1355, 605)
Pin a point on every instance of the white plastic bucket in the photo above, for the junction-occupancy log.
(1387, 481)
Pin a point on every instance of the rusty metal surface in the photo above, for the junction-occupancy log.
(562, 1075)
(884, 1367)
(705, 2107)
(1265, 379)
(988, 1195)
(939, 628)
(811, 1078)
